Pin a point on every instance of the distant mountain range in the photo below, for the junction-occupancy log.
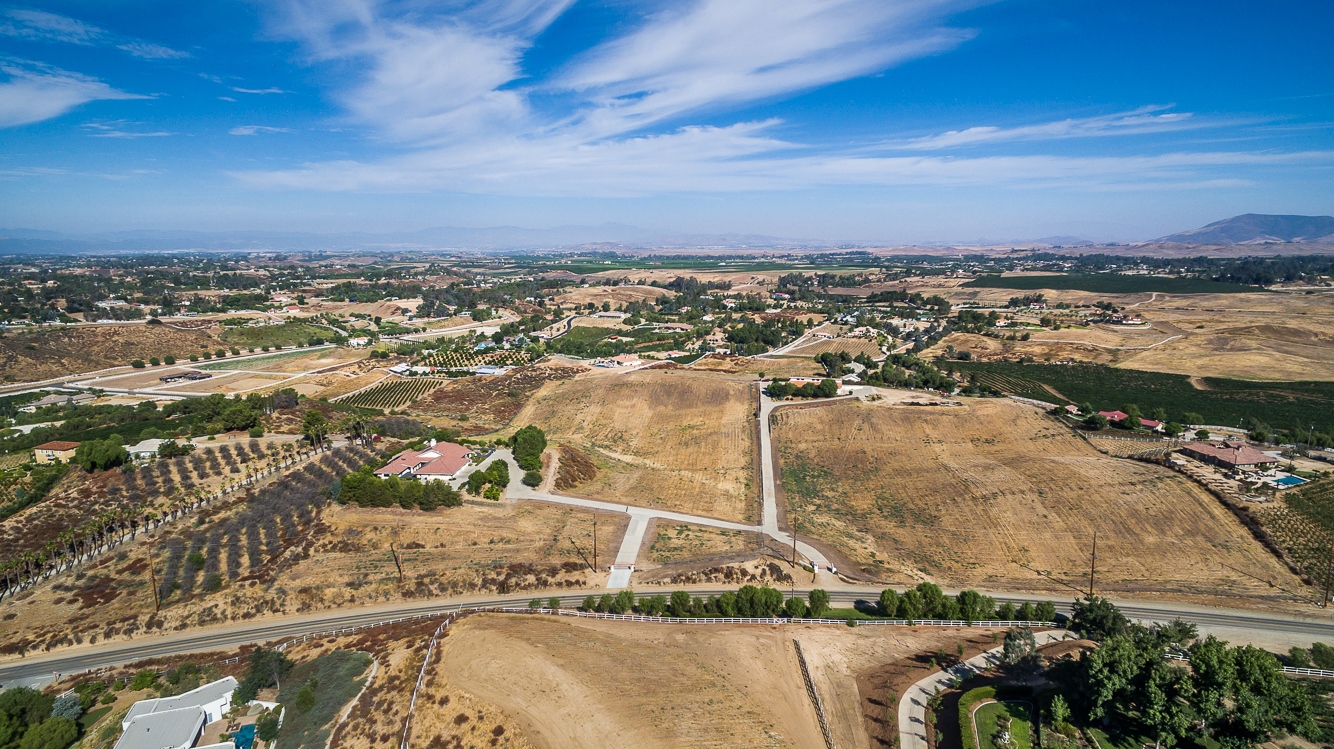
(1259, 228)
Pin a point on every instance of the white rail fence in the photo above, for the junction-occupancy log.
(815, 697)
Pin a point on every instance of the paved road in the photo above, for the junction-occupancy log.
(37, 668)
(912, 707)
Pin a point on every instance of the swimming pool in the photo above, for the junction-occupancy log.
(1289, 481)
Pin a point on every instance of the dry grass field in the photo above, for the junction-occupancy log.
(995, 495)
(677, 542)
(587, 683)
(581, 683)
(1263, 336)
(62, 351)
(616, 295)
(663, 438)
(498, 547)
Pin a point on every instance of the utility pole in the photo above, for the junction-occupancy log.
(595, 541)
(1093, 562)
(1329, 574)
(157, 604)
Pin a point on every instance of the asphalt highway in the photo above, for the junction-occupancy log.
(39, 668)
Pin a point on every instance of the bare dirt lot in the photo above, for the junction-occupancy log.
(852, 346)
(994, 494)
(589, 683)
(63, 351)
(663, 438)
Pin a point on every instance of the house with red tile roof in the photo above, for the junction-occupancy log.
(1234, 455)
(439, 461)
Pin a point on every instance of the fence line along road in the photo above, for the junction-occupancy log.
(815, 696)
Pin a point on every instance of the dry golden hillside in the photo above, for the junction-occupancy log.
(662, 438)
(994, 494)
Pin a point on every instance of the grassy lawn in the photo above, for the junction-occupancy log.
(987, 717)
(287, 334)
(87, 720)
(336, 680)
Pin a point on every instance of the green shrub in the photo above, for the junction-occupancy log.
(532, 478)
(966, 704)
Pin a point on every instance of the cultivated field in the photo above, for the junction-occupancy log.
(63, 351)
(993, 494)
(663, 438)
(853, 346)
(394, 393)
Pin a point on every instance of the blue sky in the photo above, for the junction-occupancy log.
(865, 120)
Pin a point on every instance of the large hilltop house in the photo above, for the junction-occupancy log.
(1237, 456)
(440, 461)
(177, 722)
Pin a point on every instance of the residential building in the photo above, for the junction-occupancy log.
(622, 360)
(59, 399)
(55, 452)
(440, 460)
(1233, 455)
(145, 450)
(175, 722)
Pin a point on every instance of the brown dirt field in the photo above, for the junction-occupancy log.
(316, 360)
(482, 404)
(996, 495)
(64, 351)
(617, 295)
(663, 438)
(588, 683)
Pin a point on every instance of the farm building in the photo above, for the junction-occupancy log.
(188, 376)
(54, 452)
(1237, 456)
(439, 461)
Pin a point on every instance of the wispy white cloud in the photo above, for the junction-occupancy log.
(448, 87)
(42, 26)
(1150, 119)
(150, 51)
(226, 98)
(721, 52)
(38, 25)
(256, 129)
(115, 129)
(36, 92)
(259, 90)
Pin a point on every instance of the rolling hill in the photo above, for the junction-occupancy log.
(1257, 228)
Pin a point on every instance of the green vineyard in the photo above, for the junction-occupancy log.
(393, 394)
(463, 359)
(1303, 525)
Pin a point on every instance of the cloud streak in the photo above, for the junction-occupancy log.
(1135, 122)
(256, 129)
(38, 25)
(36, 92)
